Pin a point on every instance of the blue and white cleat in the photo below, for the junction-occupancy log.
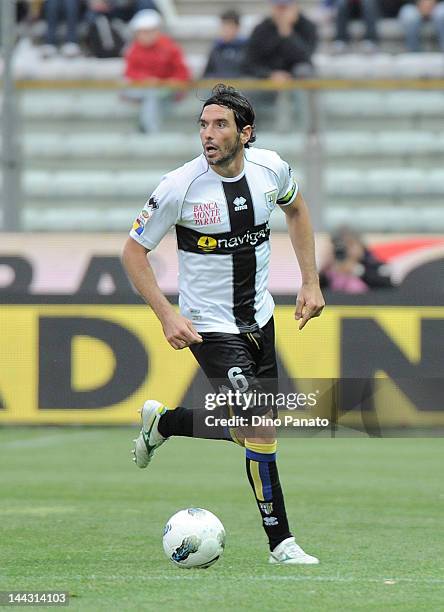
(149, 438)
(290, 553)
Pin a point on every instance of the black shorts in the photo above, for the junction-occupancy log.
(241, 362)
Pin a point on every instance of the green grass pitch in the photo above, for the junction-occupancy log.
(77, 515)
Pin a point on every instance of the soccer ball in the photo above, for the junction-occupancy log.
(194, 538)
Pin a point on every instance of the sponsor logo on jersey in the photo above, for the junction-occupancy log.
(247, 238)
(270, 521)
(189, 239)
(240, 204)
(206, 244)
(138, 226)
(206, 214)
(266, 507)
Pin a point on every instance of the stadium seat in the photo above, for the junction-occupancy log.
(382, 149)
(85, 184)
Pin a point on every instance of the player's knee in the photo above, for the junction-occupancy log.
(265, 439)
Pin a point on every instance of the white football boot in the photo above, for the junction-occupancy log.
(290, 553)
(149, 438)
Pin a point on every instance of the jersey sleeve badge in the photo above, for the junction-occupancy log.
(138, 226)
(145, 215)
(271, 199)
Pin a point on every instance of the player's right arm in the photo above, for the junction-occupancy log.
(153, 222)
(178, 330)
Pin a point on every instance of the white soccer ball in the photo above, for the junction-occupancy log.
(194, 538)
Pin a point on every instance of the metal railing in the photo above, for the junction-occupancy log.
(295, 111)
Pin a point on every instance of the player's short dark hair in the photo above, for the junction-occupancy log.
(224, 95)
(230, 15)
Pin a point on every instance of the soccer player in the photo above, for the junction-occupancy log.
(220, 204)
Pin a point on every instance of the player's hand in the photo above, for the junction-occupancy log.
(179, 332)
(309, 303)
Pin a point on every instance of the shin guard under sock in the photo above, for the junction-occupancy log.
(263, 475)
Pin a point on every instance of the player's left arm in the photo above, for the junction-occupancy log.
(309, 302)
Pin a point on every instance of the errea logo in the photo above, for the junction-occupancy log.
(239, 204)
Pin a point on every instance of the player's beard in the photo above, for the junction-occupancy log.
(226, 159)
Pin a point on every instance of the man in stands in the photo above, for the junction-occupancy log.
(107, 21)
(414, 16)
(52, 12)
(281, 46)
(368, 11)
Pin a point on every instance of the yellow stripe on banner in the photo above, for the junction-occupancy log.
(267, 449)
(254, 470)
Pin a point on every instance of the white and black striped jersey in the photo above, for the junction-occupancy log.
(222, 237)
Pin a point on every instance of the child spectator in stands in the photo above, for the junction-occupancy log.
(346, 10)
(412, 18)
(70, 10)
(155, 58)
(227, 55)
(281, 46)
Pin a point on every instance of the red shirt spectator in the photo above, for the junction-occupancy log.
(152, 54)
(161, 60)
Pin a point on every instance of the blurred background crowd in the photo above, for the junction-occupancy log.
(365, 159)
(274, 44)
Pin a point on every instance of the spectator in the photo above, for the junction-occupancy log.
(107, 19)
(28, 10)
(412, 18)
(374, 272)
(227, 55)
(352, 267)
(152, 57)
(347, 10)
(117, 9)
(70, 47)
(281, 46)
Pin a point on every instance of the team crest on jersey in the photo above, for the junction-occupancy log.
(271, 199)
